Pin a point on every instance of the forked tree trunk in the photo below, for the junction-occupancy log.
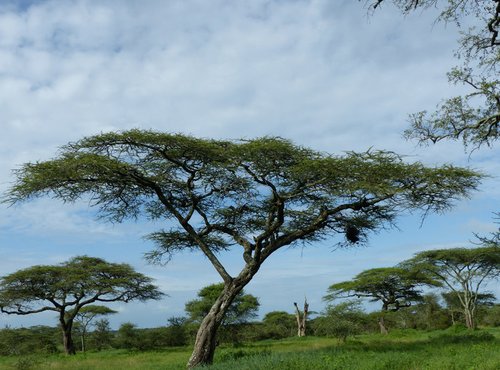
(204, 346)
(301, 321)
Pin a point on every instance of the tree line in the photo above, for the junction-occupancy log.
(71, 288)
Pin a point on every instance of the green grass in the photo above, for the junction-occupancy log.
(439, 350)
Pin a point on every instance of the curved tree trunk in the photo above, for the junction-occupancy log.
(204, 346)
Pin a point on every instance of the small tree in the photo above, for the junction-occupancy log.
(85, 316)
(279, 324)
(395, 287)
(463, 271)
(340, 321)
(127, 336)
(257, 195)
(102, 337)
(68, 287)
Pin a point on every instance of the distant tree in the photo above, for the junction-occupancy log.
(455, 308)
(474, 117)
(68, 287)
(279, 324)
(127, 336)
(340, 321)
(85, 316)
(395, 287)
(243, 308)
(258, 195)
(177, 334)
(463, 271)
(101, 336)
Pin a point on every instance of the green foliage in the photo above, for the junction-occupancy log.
(26, 341)
(407, 349)
(85, 279)
(128, 337)
(491, 316)
(395, 287)
(463, 271)
(278, 324)
(243, 308)
(341, 321)
(68, 287)
(101, 338)
(266, 187)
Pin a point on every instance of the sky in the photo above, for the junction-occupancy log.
(324, 74)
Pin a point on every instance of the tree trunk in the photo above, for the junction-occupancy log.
(381, 324)
(69, 346)
(470, 321)
(301, 321)
(83, 340)
(204, 346)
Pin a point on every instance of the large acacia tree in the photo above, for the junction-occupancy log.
(256, 195)
(69, 287)
(395, 287)
(463, 270)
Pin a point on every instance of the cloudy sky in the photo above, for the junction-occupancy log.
(322, 73)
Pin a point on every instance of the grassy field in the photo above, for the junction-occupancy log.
(439, 350)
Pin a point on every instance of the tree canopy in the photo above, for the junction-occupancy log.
(463, 271)
(68, 287)
(258, 195)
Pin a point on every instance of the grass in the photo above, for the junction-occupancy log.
(438, 350)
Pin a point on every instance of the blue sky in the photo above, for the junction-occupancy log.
(322, 73)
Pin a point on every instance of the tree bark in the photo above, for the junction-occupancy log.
(69, 346)
(301, 321)
(205, 343)
(470, 321)
(381, 324)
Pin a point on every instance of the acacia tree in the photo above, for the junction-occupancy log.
(474, 117)
(454, 306)
(85, 316)
(463, 271)
(68, 287)
(395, 287)
(259, 195)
